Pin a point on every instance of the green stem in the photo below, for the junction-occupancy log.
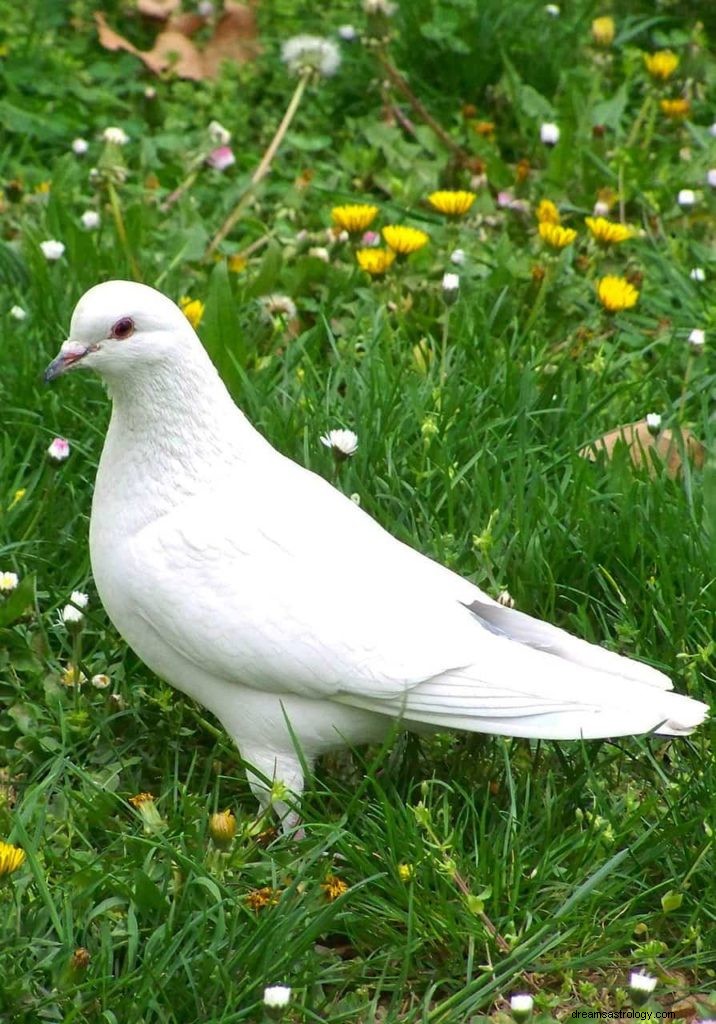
(640, 118)
(265, 164)
(122, 231)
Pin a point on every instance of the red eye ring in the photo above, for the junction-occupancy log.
(123, 328)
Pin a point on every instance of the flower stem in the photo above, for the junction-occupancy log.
(180, 189)
(122, 231)
(443, 354)
(265, 164)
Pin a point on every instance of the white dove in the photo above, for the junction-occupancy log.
(258, 589)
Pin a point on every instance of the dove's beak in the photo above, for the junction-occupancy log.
(70, 353)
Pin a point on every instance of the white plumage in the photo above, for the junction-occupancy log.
(261, 591)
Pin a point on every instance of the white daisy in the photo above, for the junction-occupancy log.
(549, 133)
(697, 338)
(653, 422)
(8, 582)
(17, 313)
(698, 274)
(277, 996)
(115, 136)
(343, 443)
(52, 249)
(80, 146)
(59, 450)
(90, 220)
(686, 197)
(521, 1006)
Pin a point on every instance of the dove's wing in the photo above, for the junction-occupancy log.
(288, 587)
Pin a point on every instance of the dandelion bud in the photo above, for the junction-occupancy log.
(653, 423)
(148, 811)
(222, 828)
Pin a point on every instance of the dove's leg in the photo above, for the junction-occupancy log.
(283, 792)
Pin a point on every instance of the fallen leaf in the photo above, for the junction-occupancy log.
(157, 8)
(668, 446)
(233, 39)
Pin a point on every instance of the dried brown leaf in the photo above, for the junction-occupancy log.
(234, 38)
(157, 8)
(668, 446)
(110, 39)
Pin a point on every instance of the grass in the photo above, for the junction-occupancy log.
(475, 867)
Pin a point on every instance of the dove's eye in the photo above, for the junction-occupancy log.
(123, 328)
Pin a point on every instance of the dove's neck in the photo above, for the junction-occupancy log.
(174, 433)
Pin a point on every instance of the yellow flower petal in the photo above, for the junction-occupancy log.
(616, 293)
(453, 203)
(404, 240)
(375, 261)
(547, 212)
(603, 30)
(675, 108)
(556, 236)
(11, 858)
(193, 310)
(661, 64)
(607, 232)
(354, 217)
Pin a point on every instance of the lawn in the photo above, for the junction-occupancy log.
(438, 876)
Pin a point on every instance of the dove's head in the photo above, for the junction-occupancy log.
(121, 328)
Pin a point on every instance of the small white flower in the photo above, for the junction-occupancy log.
(697, 338)
(385, 7)
(653, 422)
(59, 450)
(457, 256)
(521, 1006)
(277, 996)
(8, 582)
(17, 313)
(549, 133)
(219, 135)
(711, 177)
(71, 616)
(311, 52)
(686, 197)
(80, 146)
(601, 209)
(115, 136)
(553, 10)
(319, 252)
(698, 274)
(642, 983)
(150, 93)
(52, 249)
(90, 220)
(451, 287)
(205, 8)
(79, 598)
(347, 33)
(221, 158)
(343, 443)
(100, 681)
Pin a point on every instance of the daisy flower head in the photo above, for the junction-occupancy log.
(603, 30)
(549, 133)
(115, 136)
(375, 261)
(697, 339)
(90, 220)
(607, 232)
(451, 288)
(18, 313)
(616, 293)
(697, 274)
(280, 306)
(306, 53)
(686, 197)
(276, 997)
(52, 249)
(458, 257)
(403, 240)
(354, 217)
(662, 64)
(221, 158)
(80, 146)
(8, 582)
(553, 10)
(453, 202)
(556, 236)
(343, 443)
(59, 450)
(641, 985)
(547, 212)
(521, 1006)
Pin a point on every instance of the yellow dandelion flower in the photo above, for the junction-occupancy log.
(406, 872)
(354, 217)
(607, 231)
(615, 293)
(547, 212)
(257, 899)
(375, 261)
(11, 858)
(676, 108)
(603, 30)
(237, 263)
(43, 188)
(222, 828)
(404, 240)
(455, 203)
(72, 675)
(556, 236)
(486, 129)
(193, 310)
(661, 64)
(334, 887)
